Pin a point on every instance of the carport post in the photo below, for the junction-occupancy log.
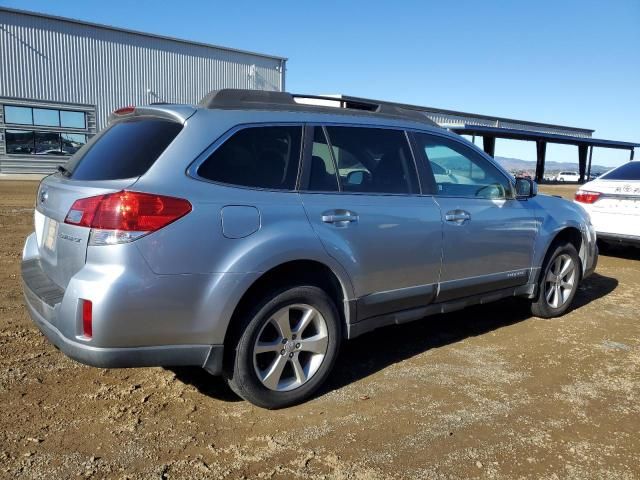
(590, 157)
(489, 144)
(541, 152)
(582, 160)
(631, 156)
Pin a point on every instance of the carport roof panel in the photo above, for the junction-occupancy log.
(443, 116)
(515, 134)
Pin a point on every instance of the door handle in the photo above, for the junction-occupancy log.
(457, 216)
(342, 217)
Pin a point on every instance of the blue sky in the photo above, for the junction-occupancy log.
(566, 62)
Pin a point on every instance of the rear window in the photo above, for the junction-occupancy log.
(258, 157)
(628, 171)
(125, 150)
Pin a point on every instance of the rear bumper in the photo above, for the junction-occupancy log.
(197, 355)
(55, 312)
(621, 239)
(615, 227)
(207, 356)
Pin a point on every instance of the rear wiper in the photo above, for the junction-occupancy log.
(63, 170)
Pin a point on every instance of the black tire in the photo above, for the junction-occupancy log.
(239, 370)
(541, 307)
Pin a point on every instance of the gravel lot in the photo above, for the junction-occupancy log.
(490, 392)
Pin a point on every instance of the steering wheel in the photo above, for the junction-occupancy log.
(497, 191)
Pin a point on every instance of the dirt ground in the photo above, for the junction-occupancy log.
(489, 392)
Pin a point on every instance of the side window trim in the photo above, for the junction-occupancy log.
(333, 157)
(307, 154)
(426, 179)
(427, 164)
(192, 169)
(305, 164)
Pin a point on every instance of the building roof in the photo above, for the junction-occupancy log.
(136, 32)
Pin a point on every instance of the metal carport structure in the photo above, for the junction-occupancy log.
(585, 144)
(490, 127)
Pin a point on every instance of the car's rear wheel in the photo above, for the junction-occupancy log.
(558, 282)
(286, 349)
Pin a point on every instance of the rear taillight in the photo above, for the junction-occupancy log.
(584, 196)
(124, 216)
(87, 318)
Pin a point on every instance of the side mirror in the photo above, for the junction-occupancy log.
(526, 188)
(355, 177)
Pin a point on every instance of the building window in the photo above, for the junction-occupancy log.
(45, 117)
(18, 115)
(57, 140)
(48, 143)
(29, 142)
(69, 119)
(20, 142)
(71, 142)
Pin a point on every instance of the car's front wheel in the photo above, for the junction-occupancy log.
(286, 349)
(558, 282)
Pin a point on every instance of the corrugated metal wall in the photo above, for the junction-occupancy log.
(54, 60)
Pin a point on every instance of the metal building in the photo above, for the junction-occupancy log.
(60, 78)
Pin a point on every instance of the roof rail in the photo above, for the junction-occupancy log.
(261, 99)
(238, 98)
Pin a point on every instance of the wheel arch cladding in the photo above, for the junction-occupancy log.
(569, 234)
(292, 273)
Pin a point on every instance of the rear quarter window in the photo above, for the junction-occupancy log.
(258, 157)
(127, 149)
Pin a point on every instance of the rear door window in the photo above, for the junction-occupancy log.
(257, 157)
(373, 160)
(628, 171)
(127, 149)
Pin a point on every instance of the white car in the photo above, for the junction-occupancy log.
(613, 202)
(568, 177)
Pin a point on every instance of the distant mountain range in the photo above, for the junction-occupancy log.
(515, 164)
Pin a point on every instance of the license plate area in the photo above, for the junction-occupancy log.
(621, 205)
(50, 234)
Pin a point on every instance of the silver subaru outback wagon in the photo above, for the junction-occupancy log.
(251, 234)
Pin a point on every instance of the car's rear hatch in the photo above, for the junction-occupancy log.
(111, 162)
(63, 247)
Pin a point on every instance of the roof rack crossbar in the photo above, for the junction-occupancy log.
(238, 98)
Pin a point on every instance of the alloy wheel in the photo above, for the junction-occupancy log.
(560, 281)
(290, 347)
